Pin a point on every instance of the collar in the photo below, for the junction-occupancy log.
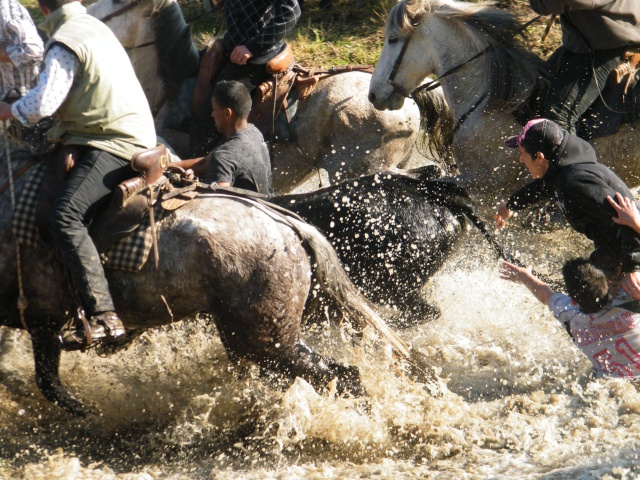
(59, 16)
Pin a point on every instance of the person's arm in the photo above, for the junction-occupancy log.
(198, 165)
(524, 276)
(528, 195)
(54, 83)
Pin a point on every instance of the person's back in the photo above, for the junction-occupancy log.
(242, 162)
(101, 114)
(605, 327)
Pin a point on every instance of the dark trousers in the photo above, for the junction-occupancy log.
(578, 83)
(203, 136)
(87, 188)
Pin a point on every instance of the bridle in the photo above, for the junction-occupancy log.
(433, 85)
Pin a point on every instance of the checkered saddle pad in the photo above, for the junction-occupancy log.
(130, 253)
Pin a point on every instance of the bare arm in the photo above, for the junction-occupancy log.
(198, 165)
(515, 274)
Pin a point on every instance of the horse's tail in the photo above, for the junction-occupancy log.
(437, 126)
(334, 279)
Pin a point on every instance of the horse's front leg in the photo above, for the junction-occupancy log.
(46, 352)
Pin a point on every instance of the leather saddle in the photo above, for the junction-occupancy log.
(129, 201)
(288, 80)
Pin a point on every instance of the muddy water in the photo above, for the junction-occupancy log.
(518, 400)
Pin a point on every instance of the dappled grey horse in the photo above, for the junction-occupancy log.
(233, 258)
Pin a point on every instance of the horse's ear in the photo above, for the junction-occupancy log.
(415, 8)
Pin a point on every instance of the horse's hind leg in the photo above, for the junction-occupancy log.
(46, 352)
(303, 362)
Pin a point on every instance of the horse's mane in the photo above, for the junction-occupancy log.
(514, 71)
(177, 54)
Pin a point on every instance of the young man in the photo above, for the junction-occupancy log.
(255, 34)
(564, 167)
(21, 49)
(242, 161)
(595, 36)
(606, 328)
(89, 84)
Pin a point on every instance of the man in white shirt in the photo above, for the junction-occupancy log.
(605, 326)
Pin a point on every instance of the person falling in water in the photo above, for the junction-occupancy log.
(603, 322)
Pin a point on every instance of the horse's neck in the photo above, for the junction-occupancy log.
(466, 87)
(146, 65)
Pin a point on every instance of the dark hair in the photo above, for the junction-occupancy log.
(54, 5)
(586, 284)
(544, 136)
(234, 95)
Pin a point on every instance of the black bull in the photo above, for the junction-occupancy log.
(391, 231)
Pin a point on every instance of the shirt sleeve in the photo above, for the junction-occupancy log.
(221, 168)
(24, 45)
(54, 83)
(528, 195)
(563, 308)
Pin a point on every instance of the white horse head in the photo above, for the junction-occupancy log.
(432, 37)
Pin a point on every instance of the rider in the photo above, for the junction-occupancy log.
(100, 108)
(605, 327)
(21, 49)
(242, 161)
(595, 36)
(255, 34)
(564, 167)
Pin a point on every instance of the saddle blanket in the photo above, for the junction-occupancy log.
(130, 253)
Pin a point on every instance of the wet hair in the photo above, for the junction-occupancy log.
(54, 5)
(586, 284)
(234, 95)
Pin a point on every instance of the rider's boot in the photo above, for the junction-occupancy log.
(104, 328)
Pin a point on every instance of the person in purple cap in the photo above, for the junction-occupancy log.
(565, 169)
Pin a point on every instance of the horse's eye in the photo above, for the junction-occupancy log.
(392, 40)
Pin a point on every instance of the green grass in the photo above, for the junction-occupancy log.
(351, 32)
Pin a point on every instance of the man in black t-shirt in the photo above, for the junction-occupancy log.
(242, 160)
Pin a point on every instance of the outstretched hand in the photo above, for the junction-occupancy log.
(514, 273)
(627, 211)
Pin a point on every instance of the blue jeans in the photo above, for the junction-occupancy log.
(86, 190)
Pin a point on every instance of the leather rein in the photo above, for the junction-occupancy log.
(433, 85)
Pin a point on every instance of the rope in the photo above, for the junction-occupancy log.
(22, 300)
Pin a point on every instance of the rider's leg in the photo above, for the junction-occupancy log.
(88, 187)
(578, 84)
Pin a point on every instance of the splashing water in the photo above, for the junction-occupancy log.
(519, 400)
